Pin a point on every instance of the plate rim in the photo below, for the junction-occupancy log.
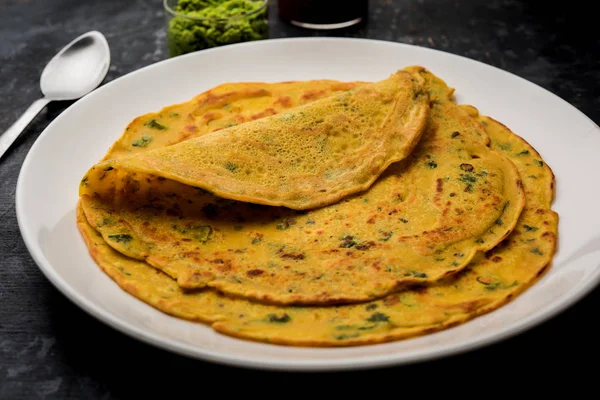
(544, 314)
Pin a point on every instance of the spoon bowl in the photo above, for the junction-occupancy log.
(72, 73)
(77, 69)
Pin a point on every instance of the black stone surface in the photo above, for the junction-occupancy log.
(49, 348)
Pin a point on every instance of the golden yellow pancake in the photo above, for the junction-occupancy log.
(488, 282)
(221, 107)
(424, 219)
(311, 156)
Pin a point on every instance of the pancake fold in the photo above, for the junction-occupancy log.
(311, 156)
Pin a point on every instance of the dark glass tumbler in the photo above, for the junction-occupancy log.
(323, 14)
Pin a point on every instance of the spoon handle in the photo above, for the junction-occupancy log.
(13, 132)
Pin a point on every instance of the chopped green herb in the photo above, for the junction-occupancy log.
(201, 233)
(530, 228)
(366, 327)
(539, 163)
(344, 327)
(499, 222)
(371, 307)
(280, 319)
(468, 178)
(505, 146)
(431, 164)
(285, 224)
(490, 283)
(121, 238)
(403, 220)
(480, 240)
(416, 274)
(537, 251)
(143, 142)
(107, 221)
(347, 242)
(378, 317)
(231, 167)
(385, 235)
(344, 337)
(455, 134)
(523, 153)
(155, 125)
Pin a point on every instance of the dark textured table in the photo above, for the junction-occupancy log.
(49, 348)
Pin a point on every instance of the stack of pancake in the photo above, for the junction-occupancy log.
(321, 213)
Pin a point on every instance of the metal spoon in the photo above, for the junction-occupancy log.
(74, 72)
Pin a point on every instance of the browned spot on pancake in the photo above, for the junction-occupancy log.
(541, 271)
(343, 86)
(439, 185)
(191, 128)
(466, 167)
(212, 99)
(292, 255)
(548, 234)
(284, 101)
(313, 94)
(540, 211)
(496, 259)
(186, 240)
(431, 330)
(371, 219)
(217, 261)
(466, 306)
(453, 324)
(365, 245)
(391, 300)
(255, 272)
(331, 251)
(266, 113)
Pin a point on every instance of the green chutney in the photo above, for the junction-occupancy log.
(201, 24)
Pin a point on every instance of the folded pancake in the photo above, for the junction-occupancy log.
(487, 283)
(221, 107)
(424, 219)
(311, 156)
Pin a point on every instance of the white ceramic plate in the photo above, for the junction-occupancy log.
(48, 185)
